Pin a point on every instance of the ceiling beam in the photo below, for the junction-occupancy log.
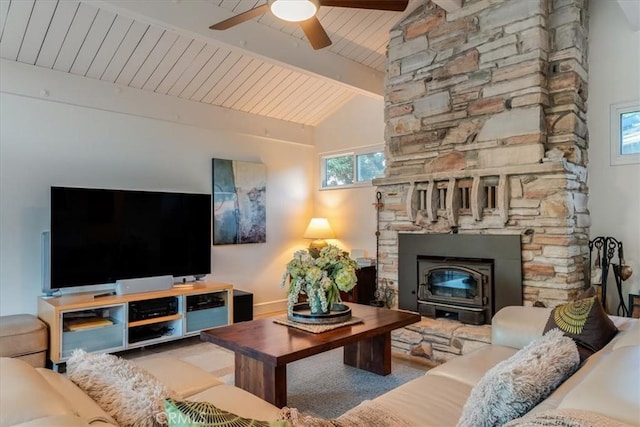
(195, 16)
(449, 5)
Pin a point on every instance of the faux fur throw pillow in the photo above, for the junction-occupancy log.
(514, 386)
(124, 390)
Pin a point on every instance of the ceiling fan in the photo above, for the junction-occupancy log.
(304, 12)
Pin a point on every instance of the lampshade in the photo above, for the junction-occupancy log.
(293, 10)
(319, 228)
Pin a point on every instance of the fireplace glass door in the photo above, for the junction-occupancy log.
(456, 282)
(453, 283)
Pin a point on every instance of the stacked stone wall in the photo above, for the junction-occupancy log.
(491, 95)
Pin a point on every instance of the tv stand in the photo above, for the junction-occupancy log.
(102, 325)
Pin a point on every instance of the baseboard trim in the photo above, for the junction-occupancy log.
(264, 308)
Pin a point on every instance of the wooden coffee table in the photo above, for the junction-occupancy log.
(264, 348)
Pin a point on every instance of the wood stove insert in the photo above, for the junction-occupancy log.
(455, 286)
(491, 260)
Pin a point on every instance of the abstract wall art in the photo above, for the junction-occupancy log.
(239, 202)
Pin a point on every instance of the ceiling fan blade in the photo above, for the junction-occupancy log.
(240, 18)
(316, 35)
(392, 5)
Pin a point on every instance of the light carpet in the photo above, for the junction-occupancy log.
(319, 385)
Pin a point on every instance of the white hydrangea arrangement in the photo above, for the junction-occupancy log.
(322, 277)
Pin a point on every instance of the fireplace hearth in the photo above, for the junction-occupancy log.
(463, 277)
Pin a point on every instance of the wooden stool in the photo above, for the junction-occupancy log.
(25, 337)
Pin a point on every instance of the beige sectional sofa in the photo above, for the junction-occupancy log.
(606, 384)
(34, 397)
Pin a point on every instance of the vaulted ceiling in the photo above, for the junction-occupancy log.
(264, 66)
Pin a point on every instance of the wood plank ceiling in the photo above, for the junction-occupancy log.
(106, 41)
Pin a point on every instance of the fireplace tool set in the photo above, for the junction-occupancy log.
(605, 248)
(380, 293)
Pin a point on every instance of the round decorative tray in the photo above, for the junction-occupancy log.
(301, 313)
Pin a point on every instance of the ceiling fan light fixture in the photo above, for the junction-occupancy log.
(294, 10)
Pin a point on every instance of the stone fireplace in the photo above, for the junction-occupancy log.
(486, 134)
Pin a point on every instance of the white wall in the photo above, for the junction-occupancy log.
(350, 211)
(44, 142)
(614, 191)
(161, 143)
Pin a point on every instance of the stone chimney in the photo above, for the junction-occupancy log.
(486, 134)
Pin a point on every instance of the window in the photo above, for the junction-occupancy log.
(625, 133)
(370, 166)
(338, 171)
(351, 169)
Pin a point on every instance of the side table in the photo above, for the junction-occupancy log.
(365, 289)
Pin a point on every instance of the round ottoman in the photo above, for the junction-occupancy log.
(24, 336)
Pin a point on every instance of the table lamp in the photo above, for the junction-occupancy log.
(318, 230)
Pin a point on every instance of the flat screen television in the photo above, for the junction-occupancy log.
(98, 236)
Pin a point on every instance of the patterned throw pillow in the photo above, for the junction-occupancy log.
(205, 414)
(587, 293)
(584, 321)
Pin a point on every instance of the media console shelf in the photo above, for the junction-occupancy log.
(82, 321)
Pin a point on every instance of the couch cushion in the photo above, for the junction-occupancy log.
(517, 326)
(623, 323)
(591, 363)
(586, 322)
(20, 387)
(82, 404)
(472, 366)
(238, 401)
(629, 337)
(611, 387)
(558, 394)
(514, 386)
(181, 377)
(430, 400)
